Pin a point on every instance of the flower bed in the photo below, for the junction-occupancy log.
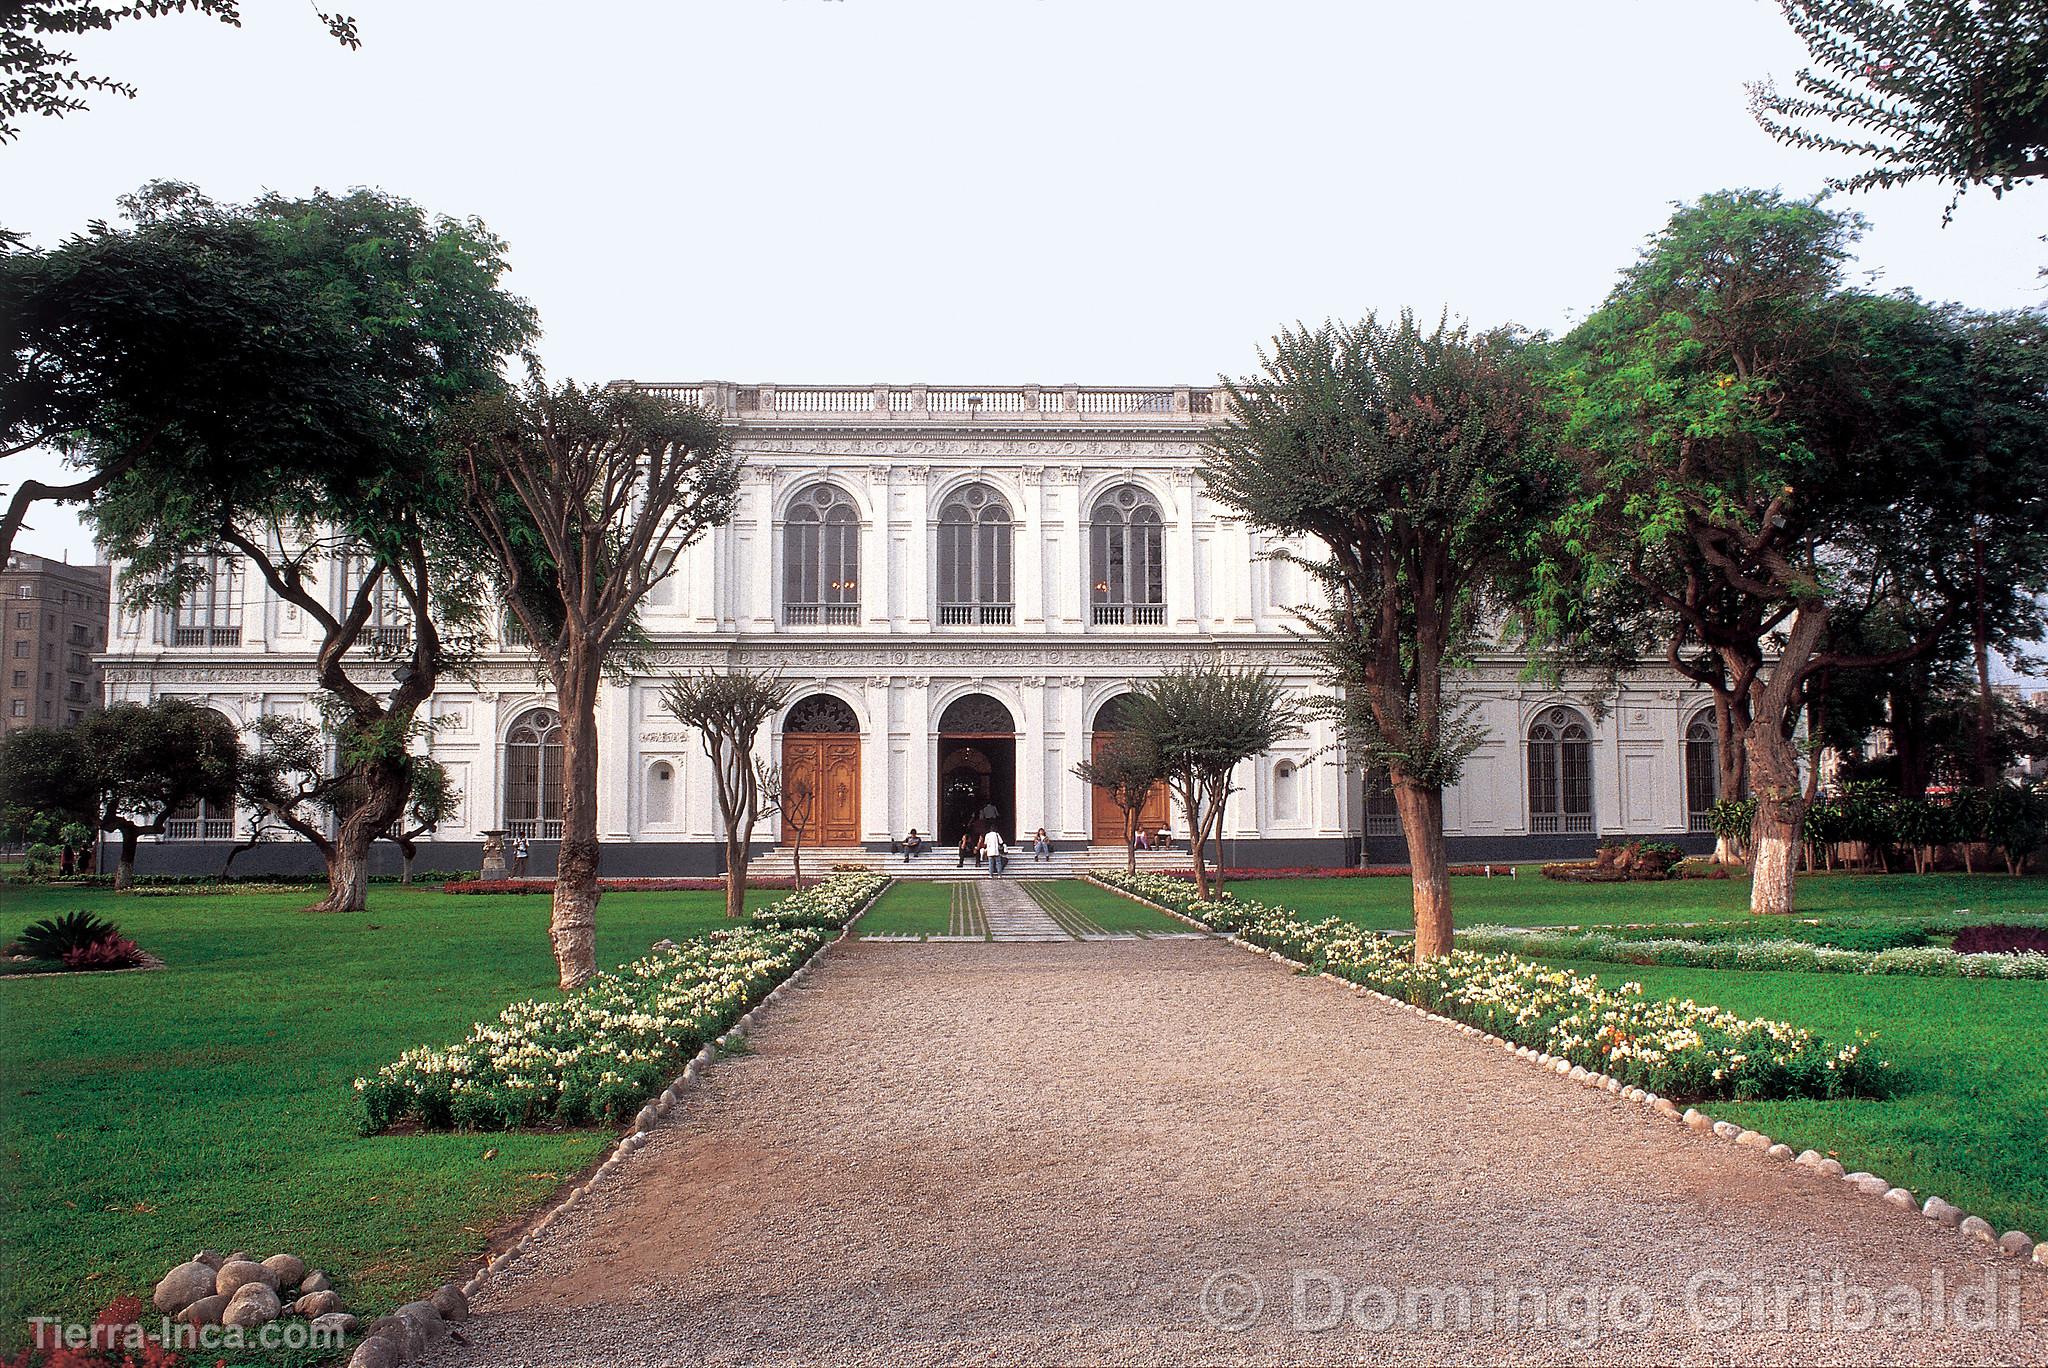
(599, 1053)
(1932, 961)
(1499, 871)
(1679, 1049)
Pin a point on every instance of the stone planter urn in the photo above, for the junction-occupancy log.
(494, 857)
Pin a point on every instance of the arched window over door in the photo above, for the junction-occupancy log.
(1702, 771)
(974, 536)
(533, 776)
(1127, 559)
(1560, 773)
(821, 559)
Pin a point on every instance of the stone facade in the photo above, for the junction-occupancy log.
(865, 562)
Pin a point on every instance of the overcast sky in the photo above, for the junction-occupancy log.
(991, 191)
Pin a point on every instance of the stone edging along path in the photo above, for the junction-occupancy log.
(636, 1135)
(2013, 1244)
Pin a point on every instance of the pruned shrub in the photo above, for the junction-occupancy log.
(2001, 940)
(53, 938)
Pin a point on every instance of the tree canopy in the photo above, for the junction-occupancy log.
(1918, 90)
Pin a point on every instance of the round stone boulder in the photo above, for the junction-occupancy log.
(378, 1351)
(334, 1323)
(205, 1311)
(316, 1304)
(236, 1274)
(2016, 1244)
(1979, 1227)
(1942, 1213)
(449, 1301)
(428, 1317)
(288, 1267)
(182, 1286)
(316, 1281)
(1901, 1199)
(404, 1333)
(212, 1258)
(253, 1305)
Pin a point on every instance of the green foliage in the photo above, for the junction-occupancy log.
(1920, 89)
(1416, 457)
(44, 80)
(45, 784)
(53, 938)
(145, 761)
(1732, 817)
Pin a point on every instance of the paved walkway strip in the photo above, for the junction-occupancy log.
(1175, 1152)
(967, 919)
(1013, 916)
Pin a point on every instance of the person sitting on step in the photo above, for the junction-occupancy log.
(968, 849)
(913, 846)
(1041, 846)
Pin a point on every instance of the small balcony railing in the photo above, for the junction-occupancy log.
(1383, 824)
(199, 829)
(1569, 823)
(1136, 614)
(206, 636)
(821, 614)
(972, 614)
(535, 828)
(1700, 821)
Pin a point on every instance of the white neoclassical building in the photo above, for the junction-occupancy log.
(963, 582)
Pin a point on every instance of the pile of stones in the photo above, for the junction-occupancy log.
(234, 1289)
(412, 1329)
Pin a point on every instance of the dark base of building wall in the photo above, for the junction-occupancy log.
(706, 859)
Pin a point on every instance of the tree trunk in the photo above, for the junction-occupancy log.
(1774, 839)
(573, 929)
(1131, 840)
(124, 872)
(736, 854)
(796, 858)
(1216, 816)
(1198, 835)
(407, 850)
(1731, 761)
(348, 863)
(1422, 825)
(1987, 774)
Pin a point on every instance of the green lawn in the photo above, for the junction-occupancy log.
(910, 907)
(1094, 908)
(146, 1115)
(1972, 1106)
(1382, 904)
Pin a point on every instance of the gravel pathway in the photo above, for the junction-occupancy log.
(939, 1154)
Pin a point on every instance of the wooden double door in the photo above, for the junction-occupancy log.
(1109, 818)
(830, 765)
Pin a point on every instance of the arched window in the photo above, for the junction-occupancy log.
(1560, 773)
(1286, 792)
(533, 776)
(209, 611)
(821, 559)
(974, 557)
(661, 793)
(821, 713)
(1127, 559)
(1702, 771)
(1382, 817)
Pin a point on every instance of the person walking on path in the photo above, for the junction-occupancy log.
(1041, 846)
(992, 846)
(519, 857)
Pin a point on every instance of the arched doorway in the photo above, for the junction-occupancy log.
(977, 769)
(1108, 817)
(821, 751)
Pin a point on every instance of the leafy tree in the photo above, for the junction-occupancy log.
(728, 708)
(327, 476)
(146, 761)
(582, 496)
(1202, 721)
(1417, 459)
(1725, 406)
(1920, 89)
(797, 800)
(45, 784)
(1126, 769)
(45, 80)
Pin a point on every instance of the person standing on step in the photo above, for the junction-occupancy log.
(1041, 847)
(967, 849)
(519, 853)
(992, 847)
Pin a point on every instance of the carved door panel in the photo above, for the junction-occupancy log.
(830, 766)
